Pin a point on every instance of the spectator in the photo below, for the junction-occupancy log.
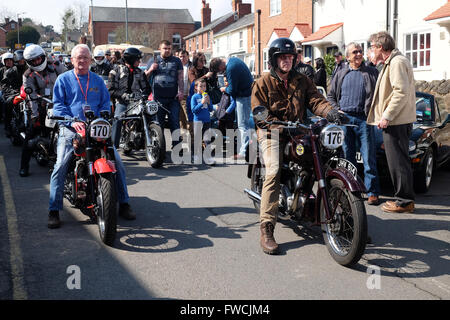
(108, 56)
(184, 57)
(393, 110)
(201, 107)
(166, 77)
(352, 91)
(320, 77)
(226, 111)
(307, 60)
(339, 63)
(304, 68)
(240, 82)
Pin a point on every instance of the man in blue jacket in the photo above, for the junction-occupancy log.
(240, 82)
(72, 91)
(352, 91)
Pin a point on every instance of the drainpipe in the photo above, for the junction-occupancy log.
(259, 41)
(388, 16)
(395, 27)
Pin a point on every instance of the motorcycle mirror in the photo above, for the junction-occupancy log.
(105, 114)
(28, 90)
(260, 113)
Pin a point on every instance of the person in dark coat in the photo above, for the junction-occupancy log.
(320, 77)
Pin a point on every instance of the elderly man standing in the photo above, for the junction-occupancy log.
(72, 91)
(352, 91)
(394, 111)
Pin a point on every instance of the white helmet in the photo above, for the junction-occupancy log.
(7, 55)
(32, 52)
(99, 54)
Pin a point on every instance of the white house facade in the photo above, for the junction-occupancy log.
(420, 36)
(237, 40)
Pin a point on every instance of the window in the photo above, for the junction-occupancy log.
(176, 41)
(190, 44)
(13, 25)
(111, 37)
(418, 49)
(307, 51)
(209, 39)
(275, 7)
(196, 43)
(241, 39)
(253, 36)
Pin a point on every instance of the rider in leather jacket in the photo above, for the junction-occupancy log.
(101, 66)
(286, 94)
(40, 78)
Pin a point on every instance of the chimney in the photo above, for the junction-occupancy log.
(206, 14)
(19, 22)
(240, 8)
(6, 20)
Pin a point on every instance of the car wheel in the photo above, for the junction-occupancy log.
(422, 178)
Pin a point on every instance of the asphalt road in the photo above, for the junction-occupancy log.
(197, 237)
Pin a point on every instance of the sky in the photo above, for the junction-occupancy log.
(49, 12)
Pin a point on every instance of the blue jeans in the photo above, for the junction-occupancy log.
(117, 125)
(365, 135)
(173, 106)
(64, 155)
(243, 111)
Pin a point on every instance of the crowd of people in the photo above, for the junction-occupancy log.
(378, 92)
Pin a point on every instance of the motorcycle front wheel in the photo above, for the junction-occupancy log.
(106, 209)
(345, 235)
(256, 181)
(156, 150)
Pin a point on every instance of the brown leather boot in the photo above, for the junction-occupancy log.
(267, 241)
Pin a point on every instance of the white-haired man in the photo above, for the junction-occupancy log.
(72, 91)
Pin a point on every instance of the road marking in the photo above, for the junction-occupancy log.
(16, 261)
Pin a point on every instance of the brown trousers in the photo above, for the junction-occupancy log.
(272, 158)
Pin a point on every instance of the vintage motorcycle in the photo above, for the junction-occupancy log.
(17, 122)
(90, 181)
(311, 155)
(141, 130)
(44, 144)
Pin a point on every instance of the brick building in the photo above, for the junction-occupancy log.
(7, 26)
(156, 24)
(280, 18)
(202, 38)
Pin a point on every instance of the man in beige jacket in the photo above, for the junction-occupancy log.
(394, 110)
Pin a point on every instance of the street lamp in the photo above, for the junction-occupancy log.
(18, 28)
(126, 21)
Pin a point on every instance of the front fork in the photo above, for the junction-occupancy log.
(323, 191)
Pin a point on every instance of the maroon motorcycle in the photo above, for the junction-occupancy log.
(316, 185)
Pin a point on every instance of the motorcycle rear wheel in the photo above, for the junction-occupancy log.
(107, 209)
(346, 234)
(156, 152)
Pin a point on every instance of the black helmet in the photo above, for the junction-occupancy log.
(281, 46)
(130, 55)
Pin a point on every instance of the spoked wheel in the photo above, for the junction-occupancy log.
(256, 181)
(124, 137)
(345, 235)
(106, 209)
(156, 150)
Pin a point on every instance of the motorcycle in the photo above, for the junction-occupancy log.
(44, 144)
(311, 155)
(141, 130)
(17, 121)
(90, 181)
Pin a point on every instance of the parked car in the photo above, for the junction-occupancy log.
(429, 145)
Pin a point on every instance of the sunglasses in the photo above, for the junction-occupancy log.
(357, 51)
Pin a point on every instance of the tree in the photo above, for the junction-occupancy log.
(146, 35)
(27, 34)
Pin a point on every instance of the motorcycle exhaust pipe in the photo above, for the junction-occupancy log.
(253, 195)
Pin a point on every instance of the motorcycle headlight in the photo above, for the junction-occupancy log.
(100, 129)
(412, 146)
(332, 137)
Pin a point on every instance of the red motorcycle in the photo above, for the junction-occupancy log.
(90, 181)
(310, 158)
